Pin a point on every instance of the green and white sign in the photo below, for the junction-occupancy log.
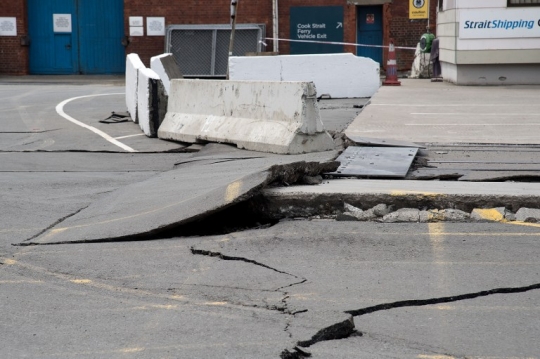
(316, 23)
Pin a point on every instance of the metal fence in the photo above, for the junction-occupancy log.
(203, 50)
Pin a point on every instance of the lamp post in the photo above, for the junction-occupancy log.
(234, 5)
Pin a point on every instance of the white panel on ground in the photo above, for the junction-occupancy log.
(133, 64)
(167, 68)
(148, 101)
(335, 75)
(278, 117)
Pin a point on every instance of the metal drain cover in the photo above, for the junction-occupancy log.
(375, 161)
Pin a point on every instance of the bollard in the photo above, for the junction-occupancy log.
(391, 67)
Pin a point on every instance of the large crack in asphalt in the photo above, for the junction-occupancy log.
(57, 222)
(284, 308)
(345, 329)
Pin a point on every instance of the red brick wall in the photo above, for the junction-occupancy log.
(405, 32)
(13, 56)
(190, 12)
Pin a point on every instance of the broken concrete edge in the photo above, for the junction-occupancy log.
(133, 65)
(148, 101)
(426, 208)
(345, 329)
(281, 173)
(167, 68)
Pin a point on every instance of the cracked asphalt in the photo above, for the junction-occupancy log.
(295, 289)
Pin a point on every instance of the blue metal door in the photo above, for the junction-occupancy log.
(101, 29)
(370, 32)
(91, 44)
(53, 52)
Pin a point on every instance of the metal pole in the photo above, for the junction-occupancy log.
(275, 23)
(428, 13)
(234, 5)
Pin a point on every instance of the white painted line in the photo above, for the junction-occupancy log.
(119, 138)
(472, 124)
(60, 111)
(474, 114)
(454, 105)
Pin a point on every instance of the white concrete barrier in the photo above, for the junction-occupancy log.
(278, 117)
(167, 68)
(148, 101)
(335, 75)
(133, 64)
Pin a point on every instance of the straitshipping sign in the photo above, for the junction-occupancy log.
(499, 23)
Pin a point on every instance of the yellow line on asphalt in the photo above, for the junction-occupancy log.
(233, 191)
(116, 289)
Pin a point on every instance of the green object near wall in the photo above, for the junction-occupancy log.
(425, 42)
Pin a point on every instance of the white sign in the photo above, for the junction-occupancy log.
(136, 21)
(155, 26)
(62, 23)
(136, 31)
(8, 26)
(499, 23)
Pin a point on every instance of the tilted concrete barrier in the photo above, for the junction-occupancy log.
(335, 75)
(148, 101)
(167, 68)
(133, 64)
(278, 117)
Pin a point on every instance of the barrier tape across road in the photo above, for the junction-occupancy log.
(339, 43)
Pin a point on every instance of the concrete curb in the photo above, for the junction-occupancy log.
(329, 198)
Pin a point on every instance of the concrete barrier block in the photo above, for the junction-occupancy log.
(335, 75)
(278, 117)
(133, 64)
(148, 101)
(167, 68)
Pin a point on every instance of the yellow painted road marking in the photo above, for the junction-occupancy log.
(525, 224)
(490, 214)
(233, 191)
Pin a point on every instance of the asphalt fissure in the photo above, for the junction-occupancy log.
(345, 329)
(241, 259)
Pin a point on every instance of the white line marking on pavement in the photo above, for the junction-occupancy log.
(119, 138)
(60, 111)
(472, 124)
(474, 114)
(454, 105)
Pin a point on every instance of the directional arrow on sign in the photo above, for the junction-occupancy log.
(339, 24)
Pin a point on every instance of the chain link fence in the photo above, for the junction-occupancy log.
(203, 50)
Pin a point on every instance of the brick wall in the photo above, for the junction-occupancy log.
(13, 56)
(190, 12)
(405, 32)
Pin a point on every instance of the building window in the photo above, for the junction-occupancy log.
(441, 5)
(523, 2)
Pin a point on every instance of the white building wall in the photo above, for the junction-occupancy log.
(477, 55)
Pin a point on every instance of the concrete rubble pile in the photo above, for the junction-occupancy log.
(387, 214)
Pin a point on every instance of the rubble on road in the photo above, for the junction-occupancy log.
(386, 214)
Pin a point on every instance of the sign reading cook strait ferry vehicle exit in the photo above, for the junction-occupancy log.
(499, 23)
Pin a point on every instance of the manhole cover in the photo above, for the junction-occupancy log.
(375, 161)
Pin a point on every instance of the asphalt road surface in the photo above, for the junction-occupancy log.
(424, 291)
